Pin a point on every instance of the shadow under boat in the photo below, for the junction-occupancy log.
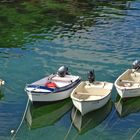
(1, 89)
(1, 94)
(41, 115)
(127, 106)
(91, 119)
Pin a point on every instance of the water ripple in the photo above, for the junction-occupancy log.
(37, 40)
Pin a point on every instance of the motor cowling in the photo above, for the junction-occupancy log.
(91, 76)
(62, 71)
(136, 64)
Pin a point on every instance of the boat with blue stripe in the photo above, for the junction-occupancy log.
(54, 87)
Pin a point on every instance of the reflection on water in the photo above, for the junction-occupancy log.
(90, 120)
(71, 29)
(38, 116)
(38, 36)
(125, 107)
(1, 93)
(26, 21)
(2, 88)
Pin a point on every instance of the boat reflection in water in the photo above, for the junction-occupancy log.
(1, 94)
(127, 106)
(40, 115)
(1, 88)
(91, 119)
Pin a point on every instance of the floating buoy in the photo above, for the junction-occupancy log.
(2, 82)
(12, 131)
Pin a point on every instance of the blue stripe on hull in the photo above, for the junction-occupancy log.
(53, 90)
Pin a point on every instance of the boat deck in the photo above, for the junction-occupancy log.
(85, 96)
(92, 91)
(130, 78)
(59, 81)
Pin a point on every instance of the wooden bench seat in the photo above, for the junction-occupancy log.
(90, 94)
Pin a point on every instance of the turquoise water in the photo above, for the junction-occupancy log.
(37, 37)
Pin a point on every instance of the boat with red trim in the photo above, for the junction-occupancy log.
(54, 87)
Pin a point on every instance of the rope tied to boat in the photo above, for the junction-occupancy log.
(111, 116)
(70, 125)
(138, 130)
(13, 132)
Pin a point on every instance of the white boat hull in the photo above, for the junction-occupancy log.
(43, 97)
(130, 85)
(88, 97)
(127, 93)
(86, 106)
(39, 92)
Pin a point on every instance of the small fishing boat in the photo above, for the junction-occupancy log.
(42, 115)
(91, 95)
(128, 83)
(91, 119)
(54, 87)
(127, 106)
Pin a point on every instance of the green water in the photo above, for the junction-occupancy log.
(37, 37)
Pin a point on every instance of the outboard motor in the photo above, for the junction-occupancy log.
(91, 76)
(62, 71)
(136, 64)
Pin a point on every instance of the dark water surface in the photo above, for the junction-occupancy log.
(37, 37)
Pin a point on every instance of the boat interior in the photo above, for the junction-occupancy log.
(130, 79)
(59, 81)
(92, 91)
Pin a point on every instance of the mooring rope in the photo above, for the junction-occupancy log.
(82, 128)
(11, 90)
(138, 130)
(110, 117)
(15, 132)
(70, 125)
